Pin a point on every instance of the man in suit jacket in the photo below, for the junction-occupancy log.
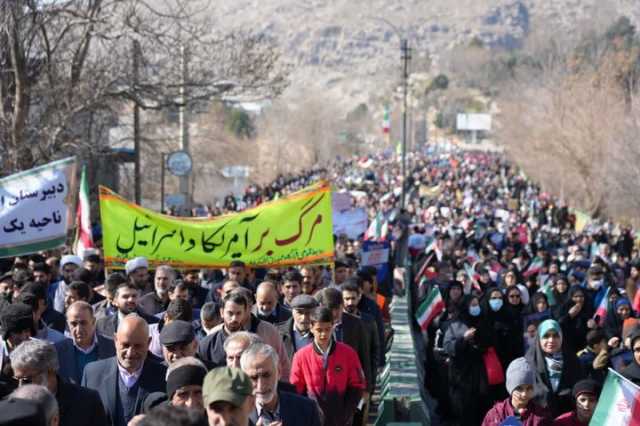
(260, 362)
(125, 301)
(36, 362)
(85, 345)
(296, 332)
(124, 381)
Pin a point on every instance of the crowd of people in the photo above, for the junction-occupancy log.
(535, 302)
(537, 308)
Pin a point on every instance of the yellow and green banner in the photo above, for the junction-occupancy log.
(293, 230)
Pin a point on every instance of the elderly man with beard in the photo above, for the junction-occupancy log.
(296, 332)
(68, 265)
(273, 406)
(124, 381)
(267, 307)
(85, 345)
(155, 302)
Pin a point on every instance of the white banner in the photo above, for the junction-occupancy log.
(352, 222)
(35, 208)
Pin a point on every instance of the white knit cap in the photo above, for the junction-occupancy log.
(135, 263)
(70, 258)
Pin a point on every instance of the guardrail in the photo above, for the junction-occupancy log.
(403, 396)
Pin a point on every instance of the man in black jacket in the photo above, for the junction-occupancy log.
(125, 380)
(36, 362)
(125, 301)
(267, 307)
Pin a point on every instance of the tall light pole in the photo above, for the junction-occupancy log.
(405, 57)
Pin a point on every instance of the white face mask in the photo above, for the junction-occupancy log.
(596, 284)
(474, 311)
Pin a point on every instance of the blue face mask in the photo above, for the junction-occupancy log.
(495, 304)
(474, 311)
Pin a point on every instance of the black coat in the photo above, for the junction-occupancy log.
(355, 334)
(505, 329)
(280, 314)
(295, 410)
(107, 326)
(574, 329)
(467, 375)
(66, 356)
(102, 376)
(79, 406)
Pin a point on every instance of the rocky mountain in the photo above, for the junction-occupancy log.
(349, 49)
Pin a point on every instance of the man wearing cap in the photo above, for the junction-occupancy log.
(178, 341)
(68, 265)
(520, 404)
(85, 345)
(296, 332)
(585, 393)
(267, 307)
(23, 412)
(124, 381)
(42, 398)
(228, 397)
(260, 362)
(137, 270)
(185, 378)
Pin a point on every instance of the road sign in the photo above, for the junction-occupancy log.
(179, 163)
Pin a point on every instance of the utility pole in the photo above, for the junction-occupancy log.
(184, 122)
(136, 124)
(406, 57)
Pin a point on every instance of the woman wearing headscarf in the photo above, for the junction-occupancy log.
(560, 291)
(465, 342)
(632, 371)
(615, 320)
(574, 318)
(505, 329)
(439, 385)
(520, 404)
(556, 368)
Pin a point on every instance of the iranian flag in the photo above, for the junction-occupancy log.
(83, 240)
(432, 306)
(378, 230)
(535, 267)
(386, 121)
(619, 403)
(601, 310)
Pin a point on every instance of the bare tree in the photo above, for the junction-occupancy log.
(66, 65)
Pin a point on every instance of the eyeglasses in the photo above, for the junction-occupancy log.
(514, 296)
(23, 380)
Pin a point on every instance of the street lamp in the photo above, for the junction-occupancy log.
(405, 57)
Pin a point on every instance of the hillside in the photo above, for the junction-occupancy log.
(344, 48)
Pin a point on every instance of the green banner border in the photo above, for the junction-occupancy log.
(33, 247)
